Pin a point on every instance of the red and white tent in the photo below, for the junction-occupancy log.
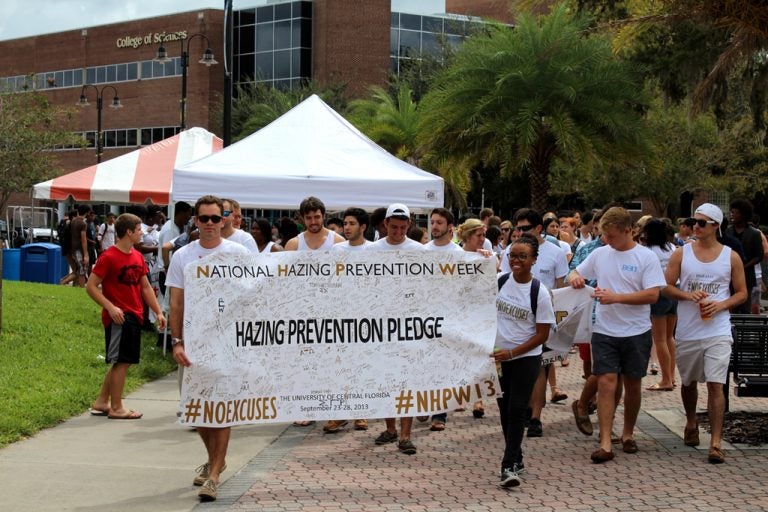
(136, 177)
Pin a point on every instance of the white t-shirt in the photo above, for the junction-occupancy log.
(168, 232)
(663, 255)
(107, 236)
(406, 245)
(627, 271)
(344, 246)
(565, 247)
(244, 239)
(450, 246)
(193, 252)
(515, 323)
(487, 244)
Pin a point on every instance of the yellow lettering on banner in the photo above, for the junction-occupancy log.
(447, 268)
(339, 268)
(203, 271)
(282, 270)
(233, 411)
(559, 316)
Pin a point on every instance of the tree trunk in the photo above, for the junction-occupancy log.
(538, 171)
(1, 290)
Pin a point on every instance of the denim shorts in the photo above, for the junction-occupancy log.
(626, 356)
(664, 307)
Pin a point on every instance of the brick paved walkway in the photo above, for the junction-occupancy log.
(306, 470)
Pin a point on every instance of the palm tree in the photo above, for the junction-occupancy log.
(392, 120)
(522, 99)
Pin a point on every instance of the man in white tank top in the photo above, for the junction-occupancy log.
(316, 237)
(705, 269)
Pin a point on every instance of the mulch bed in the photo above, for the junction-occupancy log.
(741, 427)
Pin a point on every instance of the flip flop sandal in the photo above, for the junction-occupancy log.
(132, 415)
(98, 412)
(657, 387)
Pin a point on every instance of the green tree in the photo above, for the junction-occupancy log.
(30, 127)
(258, 104)
(393, 120)
(547, 91)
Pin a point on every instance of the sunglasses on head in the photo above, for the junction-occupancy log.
(213, 218)
(701, 222)
(525, 228)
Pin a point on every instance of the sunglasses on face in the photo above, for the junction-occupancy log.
(504, 230)
(213, 218)
(227, 213)
(523, 229)
(702, 223)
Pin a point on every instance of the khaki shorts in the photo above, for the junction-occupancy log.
(703, 360)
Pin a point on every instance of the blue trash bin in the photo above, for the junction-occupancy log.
(12, 264)
(41, 263)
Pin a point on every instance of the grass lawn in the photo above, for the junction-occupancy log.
(52, 362)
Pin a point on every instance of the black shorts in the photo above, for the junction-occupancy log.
(664, 307)
(626, 356)
(123, 342)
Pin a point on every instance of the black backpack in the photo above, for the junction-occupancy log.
(535, 285)
(65, 237)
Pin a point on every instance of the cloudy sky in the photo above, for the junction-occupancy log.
(22, 18)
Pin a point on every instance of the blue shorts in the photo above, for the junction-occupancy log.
(626, 356)
(664, 307)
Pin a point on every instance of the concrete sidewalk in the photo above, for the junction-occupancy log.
(94, 463)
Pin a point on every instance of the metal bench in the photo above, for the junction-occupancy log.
(749, 356)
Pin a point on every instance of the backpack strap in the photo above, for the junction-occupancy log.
(503, 278)
(535, 286)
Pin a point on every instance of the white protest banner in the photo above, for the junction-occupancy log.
(573, 314)
(336, 335)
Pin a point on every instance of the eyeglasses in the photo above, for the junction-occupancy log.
(523, 229)
(701, 222)
(519, 257)
(213, 218)
(227, 213)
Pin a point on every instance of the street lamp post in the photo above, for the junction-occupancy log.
(207, 59)
(99, 105)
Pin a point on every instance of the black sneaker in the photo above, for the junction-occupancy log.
(386, 437)
(509, 478)
(534, 428)
(406, 446)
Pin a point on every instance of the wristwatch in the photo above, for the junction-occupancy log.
(176, 341)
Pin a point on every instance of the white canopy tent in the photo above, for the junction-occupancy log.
(310, 150)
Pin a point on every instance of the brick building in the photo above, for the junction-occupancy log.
(281, 43)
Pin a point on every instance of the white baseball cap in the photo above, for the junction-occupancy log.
(398, 211)
(711, 211)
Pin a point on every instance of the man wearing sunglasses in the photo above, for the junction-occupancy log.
(209, 220)
(706, 270)
(231, 230)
